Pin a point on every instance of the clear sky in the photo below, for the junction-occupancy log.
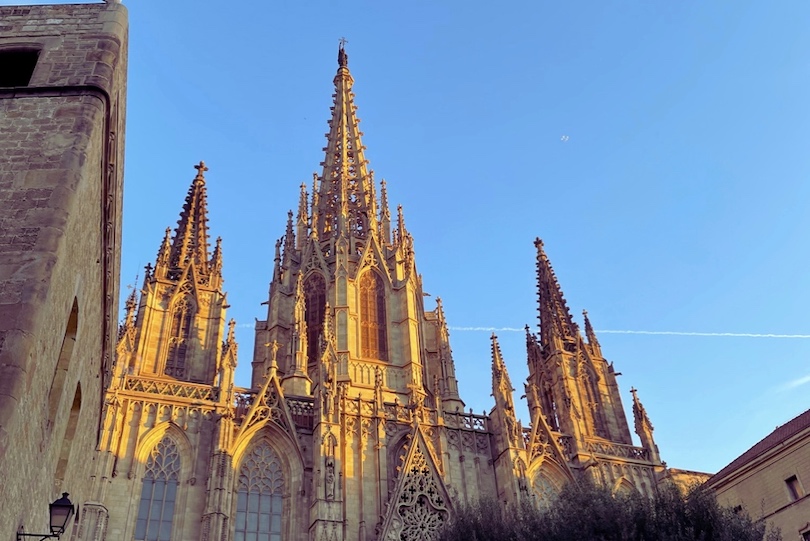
(660, 149)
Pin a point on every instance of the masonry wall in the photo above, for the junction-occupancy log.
(760, 487)
(61, 142)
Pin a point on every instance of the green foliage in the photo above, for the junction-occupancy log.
(583, 512)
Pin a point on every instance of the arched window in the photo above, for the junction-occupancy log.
(314, 305)
(373, 342)
(182, 318)
(259, 502)
(159, 493)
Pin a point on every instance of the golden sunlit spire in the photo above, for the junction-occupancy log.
(590, 334)
(501, 384)
(190, 244)
(555, 318)
(644, 427)
(345, 203)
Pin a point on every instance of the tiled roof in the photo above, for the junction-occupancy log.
(782, 433)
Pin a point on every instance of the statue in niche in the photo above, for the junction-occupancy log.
(328, 397)
(330, 480)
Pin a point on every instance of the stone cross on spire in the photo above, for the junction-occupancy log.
(201, 168)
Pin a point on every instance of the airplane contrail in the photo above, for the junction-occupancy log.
(659, 333)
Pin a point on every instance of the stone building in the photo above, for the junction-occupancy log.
(62, 102)
(352, 427)
(770, 480)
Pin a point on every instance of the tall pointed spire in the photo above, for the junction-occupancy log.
(289, 241)
(385, 213)
(165, 250)
(590, 334)
(644, 427)
(345, 204)
(555, 318)
(302, 220)
(501, 384)
(502, 392)
(190, 243)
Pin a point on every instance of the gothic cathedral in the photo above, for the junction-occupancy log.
(353, 427)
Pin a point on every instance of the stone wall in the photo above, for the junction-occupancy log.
(61, 139)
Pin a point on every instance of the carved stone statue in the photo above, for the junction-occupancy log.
(330, 480)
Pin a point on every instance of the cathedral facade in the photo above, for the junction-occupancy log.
(352, 427)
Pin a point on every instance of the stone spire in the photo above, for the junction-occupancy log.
(302, 220)
(501, 384)
(502, 390)
(345, 204)
(130, 306)
(385, 214)
(289, 242)
(216, 258)
(190, 243)
(644, 427)
(593, 342)
(165, 250)
(555, 318)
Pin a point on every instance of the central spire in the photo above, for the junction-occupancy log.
(346, 202)
(555, 318)
(190, 243)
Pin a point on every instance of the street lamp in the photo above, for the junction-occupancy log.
(61, 510)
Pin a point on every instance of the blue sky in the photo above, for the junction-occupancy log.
(658, 148)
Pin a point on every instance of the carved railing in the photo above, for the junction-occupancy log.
(469, 421)
(171, 388)
(302, 411)
(617, 450)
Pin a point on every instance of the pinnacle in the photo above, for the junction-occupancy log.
(190, 243)
(344, 201)
(555, 318)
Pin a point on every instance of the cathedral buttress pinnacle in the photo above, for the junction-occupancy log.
(644, 427)
(590, 334)
(302, 220)
(504, 403)
(385, 214)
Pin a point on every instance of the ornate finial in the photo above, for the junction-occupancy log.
(589, 332)
(343, 58)
(201, 168)
(231, 330)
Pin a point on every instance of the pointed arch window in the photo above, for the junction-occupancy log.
(373, 340)
(159, 493)
(259, 496)
(182, 319)
(314, 306)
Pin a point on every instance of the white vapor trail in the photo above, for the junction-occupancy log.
(798, 382)
(659, 333)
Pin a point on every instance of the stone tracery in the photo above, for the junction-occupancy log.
(421, 508)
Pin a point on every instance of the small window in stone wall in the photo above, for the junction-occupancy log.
(17, 66)
(794, 489)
